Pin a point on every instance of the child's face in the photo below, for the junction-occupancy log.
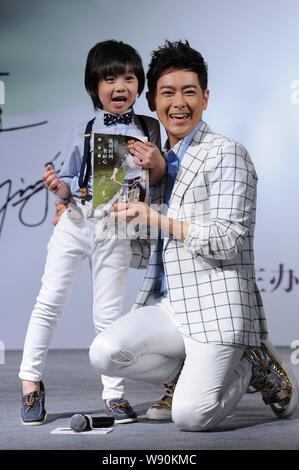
(179, 102)
(117, 93)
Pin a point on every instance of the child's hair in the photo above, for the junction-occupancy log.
(111, 58)
(179, 56)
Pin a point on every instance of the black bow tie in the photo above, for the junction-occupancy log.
(110, 119)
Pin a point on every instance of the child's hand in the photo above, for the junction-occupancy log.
(147, 154)
(51, 179)
(60, 208)
(54, 183)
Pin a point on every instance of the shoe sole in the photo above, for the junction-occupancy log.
(34, 423)
(158, 415)
(125, 421)
(279, 409)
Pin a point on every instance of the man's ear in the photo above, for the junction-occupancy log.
(150, 101)
(206, 95)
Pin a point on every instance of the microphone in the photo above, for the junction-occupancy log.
(80, 422)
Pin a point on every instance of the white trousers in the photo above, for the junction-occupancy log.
(109, 260)
(147, 345)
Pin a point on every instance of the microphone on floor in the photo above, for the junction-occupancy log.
(82, 422)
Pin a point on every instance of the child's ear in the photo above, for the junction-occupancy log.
(150, 101)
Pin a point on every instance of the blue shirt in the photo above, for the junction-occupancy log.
(174, 157)
(72, 164)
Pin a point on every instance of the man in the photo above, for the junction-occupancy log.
(199, 313)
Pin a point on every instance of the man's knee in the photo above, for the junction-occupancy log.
(107, 356)
(195, 416)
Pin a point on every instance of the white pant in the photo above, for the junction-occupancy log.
(109, 260)
(147, 345)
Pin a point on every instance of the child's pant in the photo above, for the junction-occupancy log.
(147, 345)
(109, 260)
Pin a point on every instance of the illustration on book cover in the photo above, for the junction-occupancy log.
(116, 177)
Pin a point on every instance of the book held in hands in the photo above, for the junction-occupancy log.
(116, 177)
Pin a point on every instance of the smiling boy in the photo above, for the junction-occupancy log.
(114, 78)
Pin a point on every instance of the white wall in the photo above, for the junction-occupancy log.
(252, 51)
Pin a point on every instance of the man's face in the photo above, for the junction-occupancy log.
(179, 102)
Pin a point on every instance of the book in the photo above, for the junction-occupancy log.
(92, 432)
(116, 177)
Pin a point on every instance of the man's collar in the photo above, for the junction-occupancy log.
(180, 147)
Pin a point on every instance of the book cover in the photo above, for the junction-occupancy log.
(116, 177)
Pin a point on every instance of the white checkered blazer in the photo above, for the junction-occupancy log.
(211, 275)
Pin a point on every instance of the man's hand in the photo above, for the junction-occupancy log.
(54, 183)
(147, 155)
(60, 208)
(136, 211)
(141, 213)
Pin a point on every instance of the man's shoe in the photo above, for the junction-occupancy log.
(161, 409)
(33, 410)
(120, 410)
(273, 379)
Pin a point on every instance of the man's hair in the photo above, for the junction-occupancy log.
(111, 58)
(179, 56)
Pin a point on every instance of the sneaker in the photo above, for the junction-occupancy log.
(33, 410)
(273, 379)
(161, 409)
(120, 410)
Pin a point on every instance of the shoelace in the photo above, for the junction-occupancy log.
(272, 383)
(30, 400)
(119, 404)
(170, 388)
(166, 400)
(266, 377)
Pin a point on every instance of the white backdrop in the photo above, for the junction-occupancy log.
(252, 51)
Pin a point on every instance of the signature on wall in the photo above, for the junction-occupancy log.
(23, 197)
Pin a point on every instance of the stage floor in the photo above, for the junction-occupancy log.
(72, 387)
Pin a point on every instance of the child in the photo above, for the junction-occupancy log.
(134, 187)
(114, 77)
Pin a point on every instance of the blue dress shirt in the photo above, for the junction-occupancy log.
(174, 158)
